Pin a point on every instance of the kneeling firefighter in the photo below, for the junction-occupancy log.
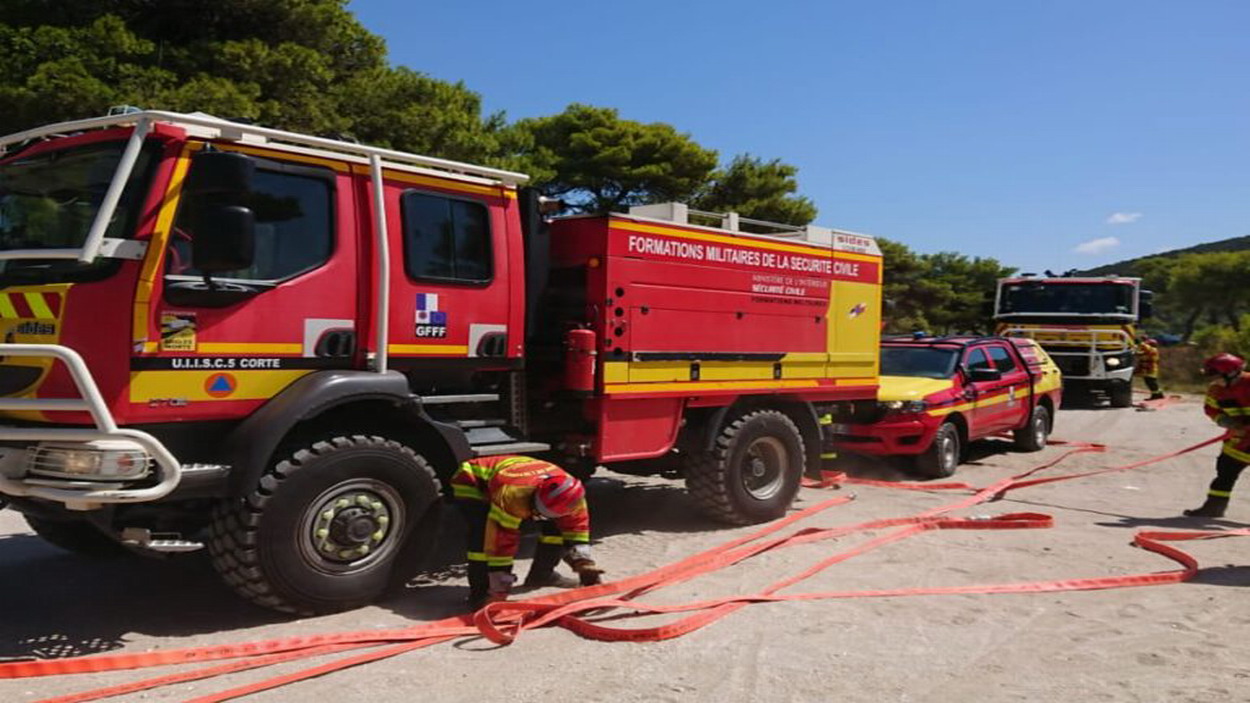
(496, 494)
(1228, 404)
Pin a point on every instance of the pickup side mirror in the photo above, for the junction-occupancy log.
(981, 374)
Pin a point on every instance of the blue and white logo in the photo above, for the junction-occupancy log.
(430, 322)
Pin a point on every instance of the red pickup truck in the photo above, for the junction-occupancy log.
(938, 394)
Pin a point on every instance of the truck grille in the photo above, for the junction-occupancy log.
(1072, 365)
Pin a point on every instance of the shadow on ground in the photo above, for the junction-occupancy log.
(56, 604)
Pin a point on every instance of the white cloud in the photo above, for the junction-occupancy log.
(1097, 246)
(1123, 218)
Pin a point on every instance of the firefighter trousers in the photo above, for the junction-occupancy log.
(546, 555)
(1227, 470)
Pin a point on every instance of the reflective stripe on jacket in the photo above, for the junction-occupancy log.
(507, 484)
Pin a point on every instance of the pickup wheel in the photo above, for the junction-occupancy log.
(753, 470)
(323, 529)
(79, 537)
(942, 457)
(1121, 393)
(1032, 437)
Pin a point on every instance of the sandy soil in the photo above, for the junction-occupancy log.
(1185, 642)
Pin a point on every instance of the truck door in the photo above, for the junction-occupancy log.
(1014, 410)
(248, 334)
(451, 308)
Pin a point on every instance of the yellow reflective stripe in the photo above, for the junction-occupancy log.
(1237, 411)
(1220, 494)
(499, 561)
(551, 539)
(1212, 402)
(829, 455)
(477, 556)
(38, 306)
(1231, 450)
(462, 491)
(826, 419)
(576, 536)
(504, 518)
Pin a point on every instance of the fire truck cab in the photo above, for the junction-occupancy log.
(280, 346)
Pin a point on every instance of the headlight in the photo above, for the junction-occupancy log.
(108, 460)
(902, 407)
(1112, 362)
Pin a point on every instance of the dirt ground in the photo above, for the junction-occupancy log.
(1182, 642)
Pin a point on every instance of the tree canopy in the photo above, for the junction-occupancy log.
(310, 66)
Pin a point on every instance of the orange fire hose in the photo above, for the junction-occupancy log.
(503, 622)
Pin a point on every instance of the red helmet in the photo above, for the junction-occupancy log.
(1152, 341)
(558, 494)
(1223, 365)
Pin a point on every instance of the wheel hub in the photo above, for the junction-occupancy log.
(350, 526)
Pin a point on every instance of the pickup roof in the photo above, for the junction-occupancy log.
(938, 394)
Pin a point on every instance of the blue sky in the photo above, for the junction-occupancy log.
(1046, 134)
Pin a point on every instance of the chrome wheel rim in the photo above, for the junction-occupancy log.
(764, 467)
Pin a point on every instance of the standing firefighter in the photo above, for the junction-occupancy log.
(1148, 366)
(496, 494)
(1228, 404)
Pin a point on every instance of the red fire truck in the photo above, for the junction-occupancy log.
(281, 345)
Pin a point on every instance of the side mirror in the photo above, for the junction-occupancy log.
(220, 173)
(223, 237)
(1145, 305)
(981, 374)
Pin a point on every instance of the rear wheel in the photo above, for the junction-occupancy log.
(79, 537)
(942, 457)
(752, 472)
(1032, 437)
(324, 529)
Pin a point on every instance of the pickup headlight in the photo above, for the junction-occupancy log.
(1113, 362)
(102, 460)
(902, 407)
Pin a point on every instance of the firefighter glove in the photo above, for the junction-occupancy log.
(587, 572)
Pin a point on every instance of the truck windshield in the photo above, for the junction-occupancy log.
(49, 201)
(1067, 298)
(924, 362)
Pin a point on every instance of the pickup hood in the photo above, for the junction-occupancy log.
(911, 387)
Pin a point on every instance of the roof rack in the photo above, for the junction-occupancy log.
(210, 127)
(681, 213)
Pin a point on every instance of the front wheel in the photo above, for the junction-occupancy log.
(1121, 393)
(942, 456)
(752, 472)
(324, 529)
(1032, 437)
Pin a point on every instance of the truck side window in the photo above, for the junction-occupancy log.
(976, 359)
(1002, 360)
(446, 238)
(294, 233)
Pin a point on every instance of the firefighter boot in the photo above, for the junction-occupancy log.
(1214, 507)
(543, 570)
(479, 584)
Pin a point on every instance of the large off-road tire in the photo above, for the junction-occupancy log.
(1032, 437)
(752, 472)
(1121, 394)
(79, 537)
(324, 529)
(942, 457)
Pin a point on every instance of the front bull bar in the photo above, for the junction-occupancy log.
(74, 494)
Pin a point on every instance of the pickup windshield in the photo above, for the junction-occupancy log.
(923, 362)
(49, 200)
(1066, 298)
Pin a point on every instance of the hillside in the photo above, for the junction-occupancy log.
(1129, 266)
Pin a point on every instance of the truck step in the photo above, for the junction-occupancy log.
(510, 448)
(462, 398)
(475, 424)
(173, 545)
